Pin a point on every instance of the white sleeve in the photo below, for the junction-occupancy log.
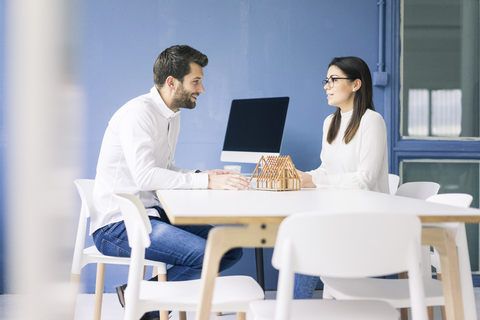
(136, 134)
(372, 135)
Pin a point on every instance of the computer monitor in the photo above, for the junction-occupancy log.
(255, 128)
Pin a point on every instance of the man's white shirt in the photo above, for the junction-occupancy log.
(137, 157)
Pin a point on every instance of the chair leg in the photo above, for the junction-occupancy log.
(163, 314)
(426, 271)
(219, 314)
(403, 311)
(241, 316)
(465, 273)
(182, 315)
(74, 286)
(97, 309)
(426, 263)
(430, 313)
(442, 308)
(326, 295)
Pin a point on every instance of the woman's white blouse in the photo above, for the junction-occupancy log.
(360, 164)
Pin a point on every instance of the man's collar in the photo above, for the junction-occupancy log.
(162, 107)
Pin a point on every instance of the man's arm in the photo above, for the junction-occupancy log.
(148, 157)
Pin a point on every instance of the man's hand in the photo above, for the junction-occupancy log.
(226, 180)
(218, 171)
(306, 180)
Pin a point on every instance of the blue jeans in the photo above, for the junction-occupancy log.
(183, 247)
(304, 286)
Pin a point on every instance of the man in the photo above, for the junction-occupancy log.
(137, 157)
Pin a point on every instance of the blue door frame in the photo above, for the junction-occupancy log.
(400, 148)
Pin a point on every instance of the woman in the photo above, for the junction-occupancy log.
(354, 147)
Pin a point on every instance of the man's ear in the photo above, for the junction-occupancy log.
(170, 82)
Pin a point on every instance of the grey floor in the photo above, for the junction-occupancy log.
(111, 309)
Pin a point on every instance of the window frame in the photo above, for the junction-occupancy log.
(412, 148)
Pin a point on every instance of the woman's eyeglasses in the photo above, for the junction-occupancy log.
(331, 81)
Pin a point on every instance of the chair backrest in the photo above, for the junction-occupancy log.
(85, 190)
(347, 246)
(454, 199)
(418, 190)
(393, 181)
(138, 228)
(136, 219)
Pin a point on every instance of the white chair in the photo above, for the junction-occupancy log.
(393, 181)
(83, 256)
(343, 246)
(231, 293)
(396, 291)
(461, 200)
(421, 190)
(418, 190)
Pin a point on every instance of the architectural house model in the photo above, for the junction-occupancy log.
(276, 173)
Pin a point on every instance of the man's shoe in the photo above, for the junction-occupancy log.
(121, 294)
(153, 315)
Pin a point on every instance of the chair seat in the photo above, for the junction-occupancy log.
(326, 309)
(393, 291)
(231, 294)
(92, 255)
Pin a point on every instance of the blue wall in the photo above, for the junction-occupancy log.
(260, 48)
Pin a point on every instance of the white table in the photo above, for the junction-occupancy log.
(259, 213)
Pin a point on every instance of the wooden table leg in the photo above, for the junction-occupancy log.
(218, 314)
(222, 239)
(444, 241)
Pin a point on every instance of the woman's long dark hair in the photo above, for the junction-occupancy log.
(354, 68)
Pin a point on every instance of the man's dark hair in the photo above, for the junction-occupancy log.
(175, 62)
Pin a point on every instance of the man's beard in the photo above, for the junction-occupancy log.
(182, 99)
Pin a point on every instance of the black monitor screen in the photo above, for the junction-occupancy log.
(256, 125)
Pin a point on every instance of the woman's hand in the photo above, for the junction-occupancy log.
(306, 179)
